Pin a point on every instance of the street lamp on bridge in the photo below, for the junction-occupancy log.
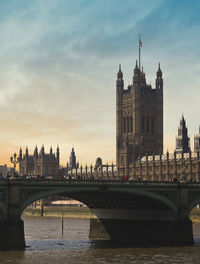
(14, 159)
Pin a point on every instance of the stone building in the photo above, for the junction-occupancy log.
(197, 142)
(39, 164)
(72, 161)
(3, 170)
(139, 119)
(182, 140)
(184, 166)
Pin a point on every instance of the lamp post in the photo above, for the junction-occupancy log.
(14, 160)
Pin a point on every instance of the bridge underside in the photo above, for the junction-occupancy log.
(135, 218)
(125, 206)
(142, 232)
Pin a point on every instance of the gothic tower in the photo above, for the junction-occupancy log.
(139, 118)
(72, 160)
(182, 140)
(197, 142)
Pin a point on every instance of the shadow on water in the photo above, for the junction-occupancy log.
(118, 244)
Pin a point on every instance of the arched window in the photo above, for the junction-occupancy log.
(143, 124)
(124, 124)
(131, 123)
(127, 120)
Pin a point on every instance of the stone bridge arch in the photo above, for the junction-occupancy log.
(37, 195)
(194, 199)
(94, 196)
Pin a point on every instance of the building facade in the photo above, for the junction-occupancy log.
(184, 166)
(139, 119)
(40, 163)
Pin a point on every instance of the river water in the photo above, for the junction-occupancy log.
(46, 245)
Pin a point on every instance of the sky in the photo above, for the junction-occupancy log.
(58, 66)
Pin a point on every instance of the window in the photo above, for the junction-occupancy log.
(124, 124)
(152, 125)
(127, 120)
(143, 124)
(147, 120)
(131, 123)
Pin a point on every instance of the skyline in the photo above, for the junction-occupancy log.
(58, 69)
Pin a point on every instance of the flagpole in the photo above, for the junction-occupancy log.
(139, 51)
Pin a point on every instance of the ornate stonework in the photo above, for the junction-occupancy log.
(139, 119)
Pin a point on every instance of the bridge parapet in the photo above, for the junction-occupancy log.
(43, 181)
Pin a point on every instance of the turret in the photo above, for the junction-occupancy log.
(58, 152)
(120, 81)
(20, 154)
(72, 160)
(136, 73)
(26, 153)
(182, 140)
(159, 79)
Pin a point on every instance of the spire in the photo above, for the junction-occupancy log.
(120, 74)
(51, 150)
(159, 79)
(20, 153)
(159, 72)
(36, 151)
(120, 82)
(26, 151)
(58, 151)
(182, 122)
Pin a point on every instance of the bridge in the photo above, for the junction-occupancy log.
(136, 211)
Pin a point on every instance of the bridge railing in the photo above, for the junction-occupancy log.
(31, 181)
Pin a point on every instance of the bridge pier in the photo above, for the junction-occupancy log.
(12, 235)
(143, 232)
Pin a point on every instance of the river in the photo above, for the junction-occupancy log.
(46, 245)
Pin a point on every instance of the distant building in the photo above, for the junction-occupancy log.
(98, 164)
(3, 170)
(39, 164)
(182, 140)
(72, 161)
(197, 142)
